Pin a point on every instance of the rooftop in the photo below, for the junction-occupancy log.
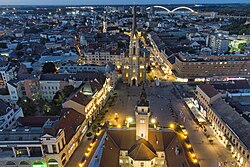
(209, 90)
(158, 140)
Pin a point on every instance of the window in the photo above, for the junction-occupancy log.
(142, 164)
(142, 121)
(141, 134)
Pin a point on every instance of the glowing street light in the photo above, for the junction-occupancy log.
(172, 126)
(129, 120)
(153, 121)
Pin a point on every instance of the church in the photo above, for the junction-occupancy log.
(143, 146)
(134, 63)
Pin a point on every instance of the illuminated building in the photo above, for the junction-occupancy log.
(134, 65)
(142, 146)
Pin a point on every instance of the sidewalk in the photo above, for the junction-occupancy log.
(79, 154)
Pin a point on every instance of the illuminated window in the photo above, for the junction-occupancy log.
(142, 121)
(140, 74)
(141, 67)
(134, 58)
(134, 70)
(126, 74)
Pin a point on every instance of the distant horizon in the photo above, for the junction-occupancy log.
(115, 2)
(130, 4)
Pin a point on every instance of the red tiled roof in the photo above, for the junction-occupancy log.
(209, 90)
(35, 121)
(69, 121)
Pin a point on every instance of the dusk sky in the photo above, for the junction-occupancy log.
(118, 2)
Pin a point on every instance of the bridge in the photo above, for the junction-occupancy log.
(172, 11)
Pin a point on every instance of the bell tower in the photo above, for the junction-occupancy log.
(142, 115)
(105, 24)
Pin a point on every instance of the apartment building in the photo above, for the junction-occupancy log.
(102, 57)
(42, 141)
(46, 85)
(9, 114)
(218, 41)
(196, 68)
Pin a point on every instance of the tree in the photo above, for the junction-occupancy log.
(58, 98)
(67, 90)
(49, 68)
(47, 107)
(89, 134)
(94, 127)
(19, 47)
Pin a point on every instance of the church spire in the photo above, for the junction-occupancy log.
(133, 31)
(104, 30)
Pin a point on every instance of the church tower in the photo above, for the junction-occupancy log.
(142, 115)
(134, 64)
(105, 24)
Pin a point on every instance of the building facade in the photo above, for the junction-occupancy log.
(234, 133)
(199, 68)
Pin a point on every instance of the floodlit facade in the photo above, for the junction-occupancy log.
(134, 65)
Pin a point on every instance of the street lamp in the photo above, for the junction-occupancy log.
(171, 126)
(129, 120)
(116, 117)
(153, 121)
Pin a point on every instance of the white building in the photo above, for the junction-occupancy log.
(9, 115)
(103, 57)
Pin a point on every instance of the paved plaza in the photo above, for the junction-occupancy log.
(162, 99)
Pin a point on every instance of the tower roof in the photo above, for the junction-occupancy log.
(133, 31)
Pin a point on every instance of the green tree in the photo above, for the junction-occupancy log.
(49, 67)
(47, 107)
(67, 90)
(58, 98)
(94, 127)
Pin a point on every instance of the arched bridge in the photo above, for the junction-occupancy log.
(171, 11)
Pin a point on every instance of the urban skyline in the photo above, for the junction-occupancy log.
(116, 2)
